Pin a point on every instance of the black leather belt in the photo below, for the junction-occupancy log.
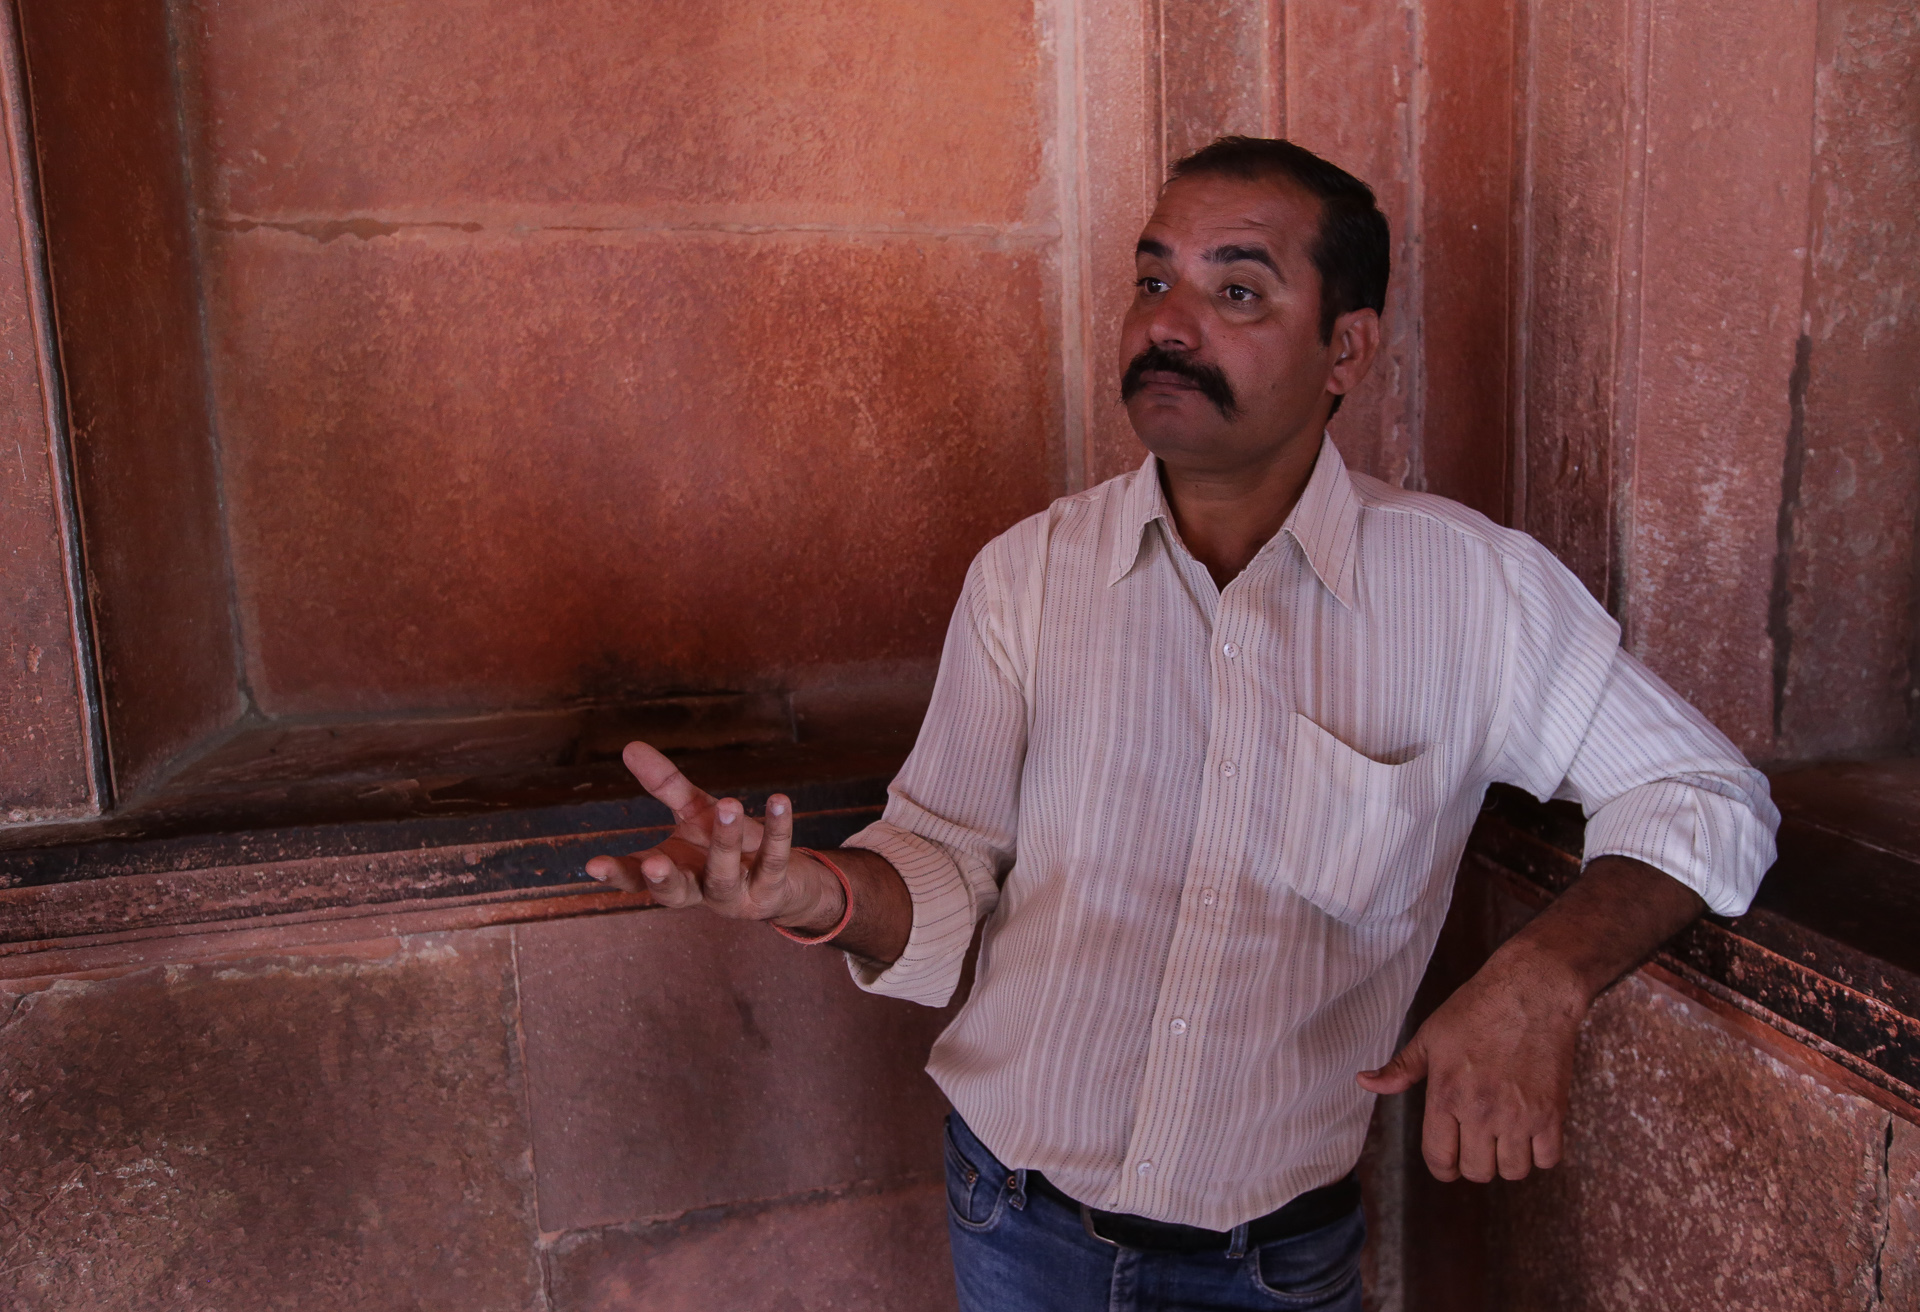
(1310, 1211)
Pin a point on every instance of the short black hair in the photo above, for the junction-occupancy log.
(1352, 254)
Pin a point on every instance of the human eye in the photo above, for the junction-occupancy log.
(1240, 292)
(1150, 285)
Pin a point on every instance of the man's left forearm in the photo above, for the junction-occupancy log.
(1615, 916)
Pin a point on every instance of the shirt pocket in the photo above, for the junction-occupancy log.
(1356, 835)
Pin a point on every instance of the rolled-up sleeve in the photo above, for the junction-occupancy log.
(1586, 722)
(1661, 785)
(951, 819)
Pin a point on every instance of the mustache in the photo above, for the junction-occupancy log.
(1207, 378)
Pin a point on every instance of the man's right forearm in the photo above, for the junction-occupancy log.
(882, 907)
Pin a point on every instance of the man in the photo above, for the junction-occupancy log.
(1205, 747)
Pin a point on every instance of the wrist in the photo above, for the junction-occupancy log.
(1547, 973)
(818, 899)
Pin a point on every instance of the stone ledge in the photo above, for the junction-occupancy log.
(93, 904)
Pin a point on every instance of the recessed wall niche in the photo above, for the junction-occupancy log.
(456, 387)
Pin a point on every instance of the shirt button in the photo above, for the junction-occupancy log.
(1179, 1027)
(1145, 1168)
(1206, 897)
(1230, 650)
(1229, 769)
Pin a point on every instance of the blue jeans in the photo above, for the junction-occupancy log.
(1021, 1251)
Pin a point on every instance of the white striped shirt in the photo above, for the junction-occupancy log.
(1213, 832)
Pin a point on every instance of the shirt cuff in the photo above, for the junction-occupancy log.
(929, 969)
(1714, 844)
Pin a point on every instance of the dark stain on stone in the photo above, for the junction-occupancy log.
(328, 230)
(1780, 600)
(1913, 652)
(1885, 1190)
(874, 1245)
(747, 1026)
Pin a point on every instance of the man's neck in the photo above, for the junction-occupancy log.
(1225, 516)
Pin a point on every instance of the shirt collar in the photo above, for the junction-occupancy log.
(1325, 521)
(1140, 504)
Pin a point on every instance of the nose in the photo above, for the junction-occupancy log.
(1174, 326)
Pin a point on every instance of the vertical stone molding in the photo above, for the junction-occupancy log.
(48, 762)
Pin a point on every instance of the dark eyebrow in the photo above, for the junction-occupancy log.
(1253, 254)
(1148, 246)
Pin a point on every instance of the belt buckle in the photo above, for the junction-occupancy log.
(1086, 1223)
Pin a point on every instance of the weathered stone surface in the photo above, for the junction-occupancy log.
(678, 1060)
(1898, 1260)
(43, 734)
(1219, 72)
(291, 1133)
(1846, 619)
(116, 210)
(718, 110)
(1350, 97)
(1580, 215)
(864, 1251)
(1466, 156)
(1112, 144)
(1384, 1163)
(1729, 114)
(1700, 1172)
(511, 472)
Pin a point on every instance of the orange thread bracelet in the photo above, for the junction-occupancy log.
(846, 917)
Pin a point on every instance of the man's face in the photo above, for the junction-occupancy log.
(1221, 353)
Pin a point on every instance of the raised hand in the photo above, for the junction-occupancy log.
(719, 857)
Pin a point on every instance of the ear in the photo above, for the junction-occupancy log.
(1355, 342)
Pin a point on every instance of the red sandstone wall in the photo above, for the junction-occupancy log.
(45, 766)
(1711, 1162)
(542, 345)
(661, 1111)
(1757, 1179)
(600, 350)
(114, 205)
(1847, 674)
(1719, 416)
(603, 353)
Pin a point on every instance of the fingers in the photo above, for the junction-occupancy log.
(1408, 1068)
(652, 872)
(663, 780)
(618, 872)
(1440, 1142)
(1478, 1145)
(1546, 1147)
(709, 863)
(1513, 1156)
(666, 872)
(670, 883)
(776, 844)
(721, 881)
(1497, 1069)
(1476, 1153)
(1454, 1151)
